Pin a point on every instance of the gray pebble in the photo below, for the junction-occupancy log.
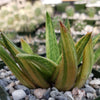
(98, 91)
(10, 85)
(89, 89)
(11, 90)
(54, 89)
(90, 96)
(68, 94)
(84, 98)
(3, 83)
(7, 80)
(91, 75)
(13, 77)
(31, 97)
(18, 94)
(6, 68)
(9, 73)
(21, 87)
(27, 91)
(3, 74)
(32, 91)
(47, 94)
(54, 93)
(61, 98)
(51, 98)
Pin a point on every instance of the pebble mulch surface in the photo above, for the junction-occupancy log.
(17, 91)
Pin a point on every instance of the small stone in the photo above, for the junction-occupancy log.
(61, 98)
(27, 91)
(47, 94)
(91, 96)
(3, 74)
(54, 93)
(78, 94)
(7, 80)
(26, 98)
(6, 68)
(39, 93)
(95, 82)
(18, 94)
(98, 91)
(31, 97)
(10, 85)
(68, 94)
(21, 87)
(87, 82)
(2, 70)
(51, 98)
(91, 75)
(32, 91)
(12, 77)
(54, 89)
(84, 98)
(89, 89)
(3, 83)
(11, 90)
(17, 82)
(9, 73)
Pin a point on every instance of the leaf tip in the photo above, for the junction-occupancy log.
(63, 27)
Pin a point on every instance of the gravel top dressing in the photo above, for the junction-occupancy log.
(17, 91)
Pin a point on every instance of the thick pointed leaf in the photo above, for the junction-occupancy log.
(67, 24)
(14, 51)
(24, 65)
(35, 74)
(68, 68)
(87, 65)
(26, 47)
(96, 55)
(46, 66)
(52, 49)
(95, 39)
(14, 68)
(81, 45)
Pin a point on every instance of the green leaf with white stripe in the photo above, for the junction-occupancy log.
(80, 45)
(52, 50)
(87, 65)
(46, 66)
(65, 79)
(26, 47)
(14, 68)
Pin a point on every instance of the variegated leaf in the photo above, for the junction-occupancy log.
(14, 68)
(26, 47)
(80, 45)
(87, 65)
(66, 79)
(52, 50)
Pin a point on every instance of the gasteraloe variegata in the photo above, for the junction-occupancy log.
(60, 67)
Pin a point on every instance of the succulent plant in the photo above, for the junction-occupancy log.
(79, 25)
(59, 69)
(13, 15)
(91, 11)
(70, 11)
(56, 22)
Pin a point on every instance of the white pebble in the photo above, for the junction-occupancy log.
(95, 82)
(18, 94)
